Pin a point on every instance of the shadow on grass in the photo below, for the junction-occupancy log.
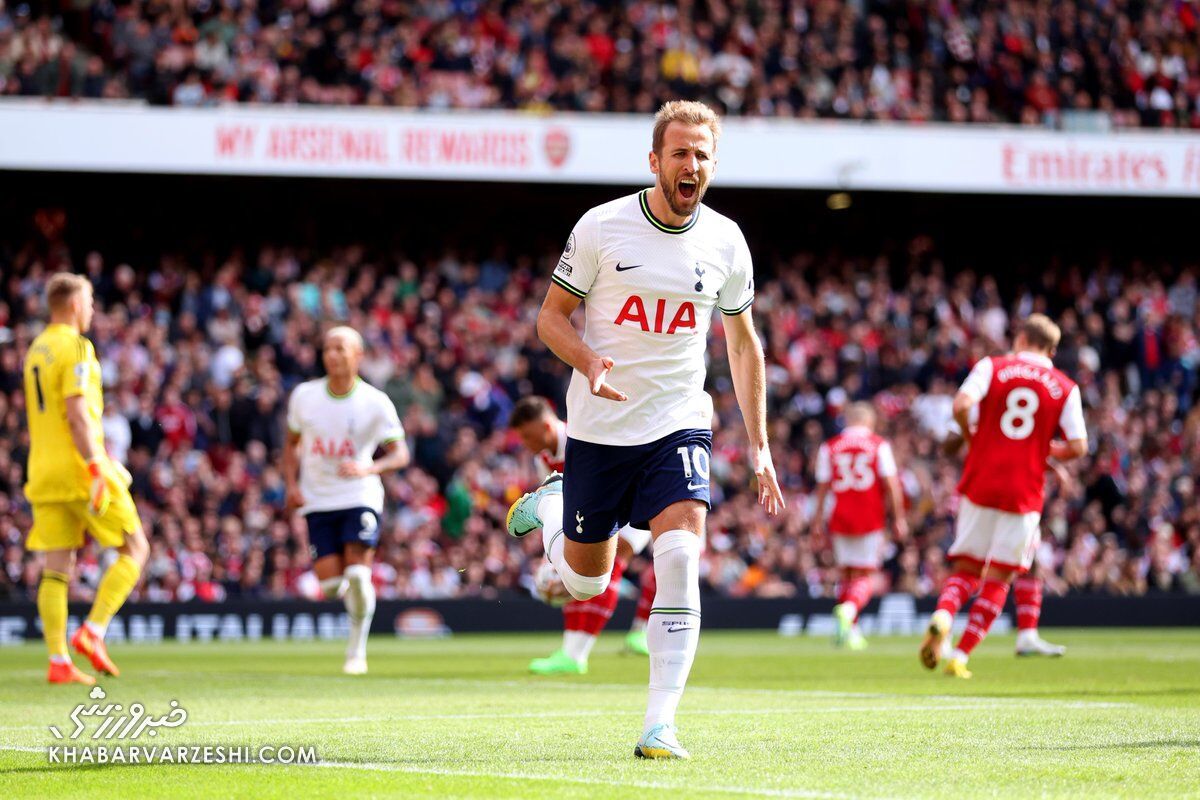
(1156, 744)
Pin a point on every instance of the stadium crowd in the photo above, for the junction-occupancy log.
(199, 354)
(982, 61)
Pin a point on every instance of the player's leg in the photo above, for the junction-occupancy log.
(360, 605)
(634, 541)
(1011, 553)
(674, 630)
(855, 592)
(1027, 593)
(635, 640)
(57, 533)
(118, 582)
(673, 494)
(972, 542)
(358, 530)
(858, 556)
(57, 567)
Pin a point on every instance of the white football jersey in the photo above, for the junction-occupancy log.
(649, 292)
(333, 429)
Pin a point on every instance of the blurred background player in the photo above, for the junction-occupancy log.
(654, 267)
(545, 435)
(73, 485)
(858, 467)
(1026, 588)
(335, 426)
(1023, 401)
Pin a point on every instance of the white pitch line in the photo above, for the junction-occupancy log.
(522, 776)
(725, 690)
(722, 712)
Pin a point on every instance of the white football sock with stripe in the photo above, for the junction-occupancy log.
(360, 605)
(674, 628)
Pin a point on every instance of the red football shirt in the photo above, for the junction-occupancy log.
(1023, 402)
(854, 464)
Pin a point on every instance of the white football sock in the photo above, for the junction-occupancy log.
(959, 655)
(332, 588)
(674, 629)
(96, 628)
(578, 644)
(360, 605)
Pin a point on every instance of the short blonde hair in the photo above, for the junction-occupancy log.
(62, 286)
(345, 330)
(860, 413)
(1041, 332)
(688, 112)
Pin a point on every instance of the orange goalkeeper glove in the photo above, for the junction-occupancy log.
(98, 495)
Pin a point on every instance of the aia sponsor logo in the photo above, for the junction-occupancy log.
(653, 315)
(558, 146)
(332, 448)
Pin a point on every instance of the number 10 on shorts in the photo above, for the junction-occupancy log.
(695, 462)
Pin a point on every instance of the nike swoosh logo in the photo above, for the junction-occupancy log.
(677, 630)
(694, 486)
(622, 269)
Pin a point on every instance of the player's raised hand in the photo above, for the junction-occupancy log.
(98, 494)
(597, 371)
(769, 493)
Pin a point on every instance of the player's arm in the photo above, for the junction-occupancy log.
(395, 456)
(748, 368)
(80, 425)
(896, 500)
(291, 470)
(974, 389)
(1073, 427)
(555, 330)
(964, 401)
(817, 527)
(889, 475)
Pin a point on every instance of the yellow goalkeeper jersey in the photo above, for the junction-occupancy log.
(60, 364)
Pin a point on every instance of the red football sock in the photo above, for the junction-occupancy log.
(594, 614)
(571, 616)
(857, 591)
(646, 601)
(956, 591)
(1027, 592)
(984, 611)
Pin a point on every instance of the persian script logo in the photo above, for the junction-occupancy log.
(119, 722)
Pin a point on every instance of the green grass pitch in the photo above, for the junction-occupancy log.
(764, 716)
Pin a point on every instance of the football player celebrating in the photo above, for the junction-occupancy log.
(858, 467)
(1023, 401)
(654, 267)
(335, 426)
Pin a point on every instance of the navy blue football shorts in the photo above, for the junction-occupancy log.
(330, 531)
(608, 486)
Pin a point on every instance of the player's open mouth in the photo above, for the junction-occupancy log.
(687, 188)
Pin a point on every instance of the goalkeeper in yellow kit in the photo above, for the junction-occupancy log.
(72, 484)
